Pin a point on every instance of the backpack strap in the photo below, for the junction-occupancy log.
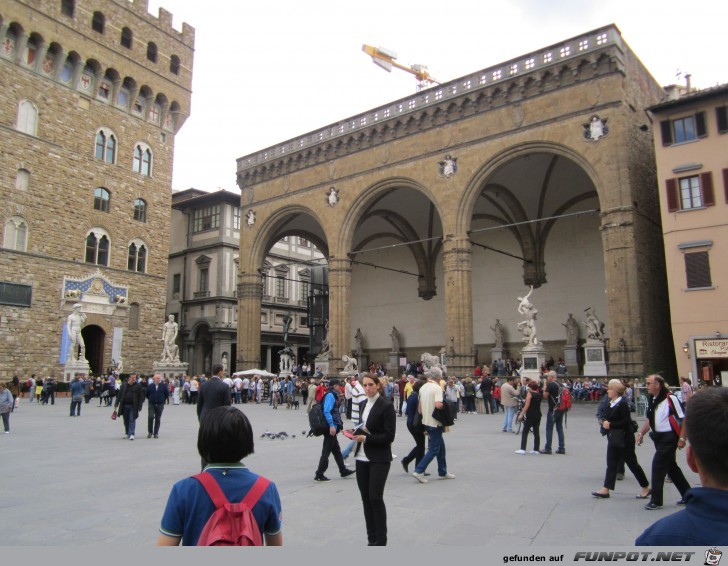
(256, 492)
(218, 497)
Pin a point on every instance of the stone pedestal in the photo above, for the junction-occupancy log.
(532, 358)
(363, 361)
(394, 369)
(323, 364)
(572, 359)
(72, 368)
(595, 363)
(496, 354)
(344, 374)
(169, 369)
(284, 367)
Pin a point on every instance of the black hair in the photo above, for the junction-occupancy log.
(217, 368)
(225, 436)
(418, 385)
(707, 431)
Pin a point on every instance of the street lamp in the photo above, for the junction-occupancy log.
(686, 349)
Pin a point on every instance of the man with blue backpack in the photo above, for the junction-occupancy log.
(331, 408)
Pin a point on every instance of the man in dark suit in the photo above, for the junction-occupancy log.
(129, 402)
(214, 393)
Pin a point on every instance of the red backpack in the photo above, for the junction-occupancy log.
(563, 402)
(232, 524)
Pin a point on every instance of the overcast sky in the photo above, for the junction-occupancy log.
(265, 72)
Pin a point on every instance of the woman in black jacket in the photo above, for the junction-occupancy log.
(417, 432)
(375, 436)
(618, 424)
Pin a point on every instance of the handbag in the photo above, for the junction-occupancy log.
(617, 438)
(417, 421)
(113, 416)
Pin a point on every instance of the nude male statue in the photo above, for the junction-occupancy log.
(74, 323)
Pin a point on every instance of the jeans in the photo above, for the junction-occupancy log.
(435, 449)
(6, 421)
(508, 420)
(349, 447)
(371, 478)
(557, 418)
(154, 416)
(75, 408)
(129, 420)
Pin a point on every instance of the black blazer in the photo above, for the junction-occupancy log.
(619, 417)
(382, 426)
(213, 393)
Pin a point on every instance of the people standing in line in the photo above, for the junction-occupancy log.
(430, 398)
(415, 428)
(620, 444)
(552, 393)
(704, 521)
(224, 439)
(332, 413)
(78, 390)
(531, 417)
(129, 402)
(374, 456)
(509, 399)
(6, 406)
(157, 395)
(663, 414)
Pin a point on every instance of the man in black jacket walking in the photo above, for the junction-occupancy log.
(214, 393)
(129, 402)
(157, 395)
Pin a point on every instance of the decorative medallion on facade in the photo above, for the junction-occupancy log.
(96, 292)
(595, 129)
(332, 197)
(448, 166)
(250, 218)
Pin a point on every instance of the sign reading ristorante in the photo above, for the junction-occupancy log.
(711, 348)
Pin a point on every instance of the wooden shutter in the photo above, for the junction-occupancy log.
(706, 187)
(666, 129)
(725, 184)
(697, 270)
(700, 129)
(673, 203)
(721, 115)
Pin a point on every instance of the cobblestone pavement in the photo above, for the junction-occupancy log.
(75, 481)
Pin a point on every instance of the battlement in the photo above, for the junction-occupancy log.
(164, 21)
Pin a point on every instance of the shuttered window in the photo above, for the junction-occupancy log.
(691, 192)
(721, 116)
(684, 129)
(697, 270)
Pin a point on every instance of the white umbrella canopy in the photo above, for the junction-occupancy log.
(254, 371)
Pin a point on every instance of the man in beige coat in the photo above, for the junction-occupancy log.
(509, 400)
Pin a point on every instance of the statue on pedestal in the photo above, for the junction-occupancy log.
(170, 351)
(594, 326)
(224, 363)
(572, 330)
(350, 364)
(395, 339)
(74, 323)
(287, 319)
(528, 326)
(359, 338)
(499, 332)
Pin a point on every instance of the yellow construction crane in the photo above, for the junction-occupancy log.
(385, 59)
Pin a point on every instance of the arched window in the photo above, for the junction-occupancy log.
(97, 247)
(16, 234)
(22, 180)
(152, 51)
(137, 258)
(105, 146)
(102, 199)
(140, 210)
(134, 316)
(174, 65)
(68, 8)
(142, 162)
(31, 50)
(126, 38)
(97, 22)
(27, 118)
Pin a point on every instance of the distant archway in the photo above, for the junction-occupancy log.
(95, 339)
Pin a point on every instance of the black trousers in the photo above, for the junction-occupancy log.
(626, 455)
(664, 464)
(418, 452)
(330, 446)
(371, 478)
(532, 425)
(154, 417)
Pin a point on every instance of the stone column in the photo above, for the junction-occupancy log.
(458, 323)
(249, 290)
(339, 311)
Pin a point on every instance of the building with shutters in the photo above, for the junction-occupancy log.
(691, 149)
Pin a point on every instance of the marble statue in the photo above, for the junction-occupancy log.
(429, 361)
(572, 330)
(359, 337)
(395, 339)
(224, 363)
(74, 323)
(170, 351)
(528, 326)
(499, 332)
(325, 344)
(119, 365)
(350, 364)
(594, 326)
(287, 319)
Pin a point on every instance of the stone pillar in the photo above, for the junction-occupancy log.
(457, 266)
(249, 291)
(623, 293)
(339, 311)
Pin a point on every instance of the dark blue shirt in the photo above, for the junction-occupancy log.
(703, 522)
(157, 393)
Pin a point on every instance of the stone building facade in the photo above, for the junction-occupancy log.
(92, 94)
(202, 293)
(436, 211)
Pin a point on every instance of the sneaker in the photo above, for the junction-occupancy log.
(131, 437)
(620, 477)
(346, 473)
(652, 506)
(446, 477)
(405, 465)
(544, 451)
(7, 432)
(419, 477)
(321, 478)
(156, 436)
(561, 451)
(149, 435)
(520, 451)
(681, 502)
(535, 452)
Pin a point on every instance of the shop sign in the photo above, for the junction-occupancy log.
(711, 348)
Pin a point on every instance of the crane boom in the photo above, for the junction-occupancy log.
(385, 59)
